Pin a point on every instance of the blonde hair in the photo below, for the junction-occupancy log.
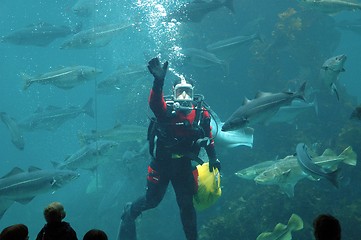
(54, 212)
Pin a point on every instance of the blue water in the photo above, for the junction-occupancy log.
(295, 55)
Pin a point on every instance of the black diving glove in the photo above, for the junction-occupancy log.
(214, 164)
(158, 71)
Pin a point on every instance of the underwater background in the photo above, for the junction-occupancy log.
(292, 44)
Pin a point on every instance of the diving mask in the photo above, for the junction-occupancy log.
(183, 91)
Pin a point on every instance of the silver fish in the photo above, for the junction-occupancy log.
(95, 37)
(202, 59)
(90, 156)
(20, 186)
(123, 80)
(53, 117)
(261, 109)
(119, 133)
(40, 34)
(64, 78)
(16, 135)
(227, 48)
(330, 71)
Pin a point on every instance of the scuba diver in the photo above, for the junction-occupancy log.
(180, 128)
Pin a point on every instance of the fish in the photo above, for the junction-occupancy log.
(119, 133)
(39, 34)
(356, 113)
(253, 171)
(261, 108)
(287, 172)
(350, 25)
(22, 186)
(311, 168)
(89, 157)
(202, 59)
(16, 134)
(288, 114)
(330, 71)
(63, 78)
(283, 232)
(331, 6)
(230, 139)
(227, 48)
(53, 117)
(84, 8)
(123, 79)
(95, 37)
(195, 11)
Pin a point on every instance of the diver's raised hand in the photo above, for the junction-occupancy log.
(157, 70)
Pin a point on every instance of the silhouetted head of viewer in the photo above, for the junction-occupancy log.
(95, 234)
(15, 232)
(326, 227)
(54, 212)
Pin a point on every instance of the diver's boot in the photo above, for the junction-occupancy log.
(127, 225)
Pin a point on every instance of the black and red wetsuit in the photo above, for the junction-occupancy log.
(172, 161)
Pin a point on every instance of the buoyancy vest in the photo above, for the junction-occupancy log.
(161, 131)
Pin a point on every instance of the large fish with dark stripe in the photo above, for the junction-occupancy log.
(21, 186)
(261, 108)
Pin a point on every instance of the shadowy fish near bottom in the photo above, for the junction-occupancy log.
(283, 232)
